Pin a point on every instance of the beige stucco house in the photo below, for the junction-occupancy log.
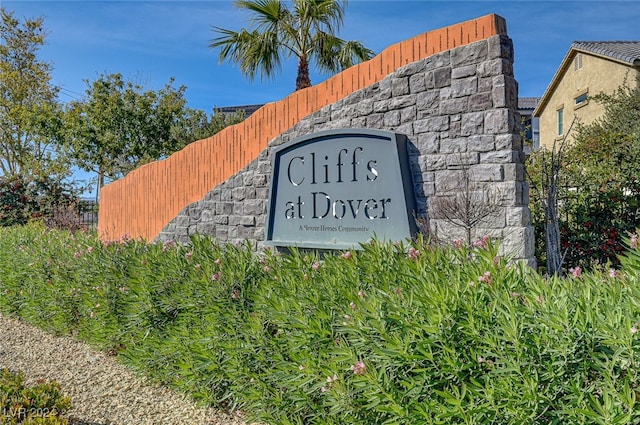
(589, 68)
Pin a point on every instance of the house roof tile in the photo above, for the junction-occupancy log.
(624, 51)
(528, 102)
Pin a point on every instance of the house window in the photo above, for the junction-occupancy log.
(560, 121)
(577, 62)
(581, 99)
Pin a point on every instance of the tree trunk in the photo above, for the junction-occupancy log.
(552, 231)
(303, 81)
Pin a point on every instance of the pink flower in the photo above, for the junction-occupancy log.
(483, 242)
(122, 289)
(333, 378)
(458, 243)
(576, 271)
(413, 253)
(77, 254)
(168, 245)
(301, 367)
(347, 255)
(267, 269)
(634, 241)
(316, 265)
(634, 330)
(353, 305)
(217, 262)
(216, 276)
(188, 255)
(361, 293)
(323, 389)
(236, 294)
(486, 278)
(359, 368)
(90, 249)
(613, 273)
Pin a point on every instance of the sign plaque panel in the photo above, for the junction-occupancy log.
(339, 188)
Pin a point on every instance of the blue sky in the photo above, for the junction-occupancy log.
(151, 41)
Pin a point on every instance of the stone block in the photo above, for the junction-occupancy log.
(469, 54)
(375, 120)
(500, 46)
(486, 173)
(514, 172)
(499, 157)
(493, 67)
(399, 86)
(518, 217)
(454, 106)
(365, 107)
(391, 119)
(481, 143)
(417, 83)
(242, 220)
(428, 100)
(480, 102)
(404, 128)
(442, 77)
(508, 141)
(464, 159)
(224, 208)
(239, 193)
(464, 87)
(432, 162)
(518, 242)
(429, 142)
(496, 121)
(254, 207)
(402, 102)
(206, 228)
(438, 60)
(458, 145)
(472, 124)
(464, 71)
(447, 181)
(429, 125)
(219, 219)
(408, 114)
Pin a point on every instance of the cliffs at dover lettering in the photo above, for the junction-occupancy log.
(349, 166)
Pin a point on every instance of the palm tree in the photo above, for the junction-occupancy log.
(305, 31)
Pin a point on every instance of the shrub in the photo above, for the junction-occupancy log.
(386, 334)
(42, 403)
(22, 201)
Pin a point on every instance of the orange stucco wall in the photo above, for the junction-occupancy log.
(148, 198)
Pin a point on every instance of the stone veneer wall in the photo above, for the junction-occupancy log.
(458, 109)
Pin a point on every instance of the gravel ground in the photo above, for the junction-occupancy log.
(102, 391)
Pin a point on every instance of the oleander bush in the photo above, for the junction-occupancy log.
(42, 403)
(388, 334)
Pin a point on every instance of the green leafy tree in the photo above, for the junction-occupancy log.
(197, 125)
(30, 115)
(120, 126)
(306, 31)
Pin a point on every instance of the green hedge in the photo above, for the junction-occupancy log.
(42, 403)
(385, 335)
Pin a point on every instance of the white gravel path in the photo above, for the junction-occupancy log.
(102, 391)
